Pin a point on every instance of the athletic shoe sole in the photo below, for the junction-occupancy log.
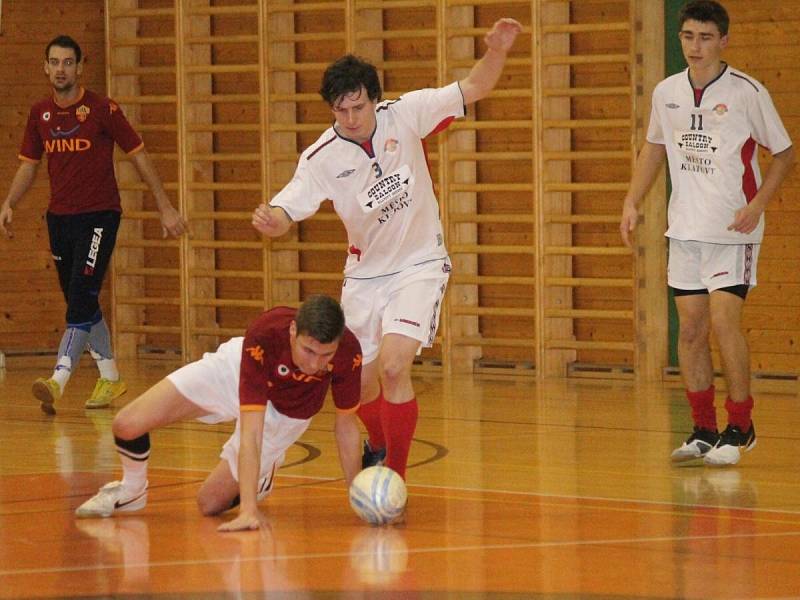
(43, 394)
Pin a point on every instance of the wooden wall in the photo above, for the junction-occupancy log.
(31, 305)
(762, 44)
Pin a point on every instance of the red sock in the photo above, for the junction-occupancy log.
(370, 415)
(703, 412)
(739, 413)
(399, 423)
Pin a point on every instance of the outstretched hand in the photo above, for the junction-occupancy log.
(502, 35)
(267, 221)
(245, 522)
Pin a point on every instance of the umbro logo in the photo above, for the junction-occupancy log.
(673, 105)
(346, 173)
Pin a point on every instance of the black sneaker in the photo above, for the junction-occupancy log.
(732, 442)
(696, 446)
(370, 457)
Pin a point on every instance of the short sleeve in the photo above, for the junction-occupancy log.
(304, 194)
(768, 130)
(253, 382)
(121, 130)
(655, 131)
(346, 383)
(32, 147)
(430, 110)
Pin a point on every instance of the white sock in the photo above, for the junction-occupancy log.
(62, 372)
(108, 369)
(134, 473)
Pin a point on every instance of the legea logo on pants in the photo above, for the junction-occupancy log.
(91, 260)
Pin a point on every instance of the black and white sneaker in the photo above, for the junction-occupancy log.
(371, 458)
(732, 442)
(696, 446)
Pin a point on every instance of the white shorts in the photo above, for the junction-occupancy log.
(703, 266)
(212, 383)
(407, 303)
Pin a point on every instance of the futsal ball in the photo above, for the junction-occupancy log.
(378, 495)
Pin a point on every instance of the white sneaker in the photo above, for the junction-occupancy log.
(732, 443)
(696, 446)
(112, 497)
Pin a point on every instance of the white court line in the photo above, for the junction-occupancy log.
(470, 548)
(571, 497)
(779, 511)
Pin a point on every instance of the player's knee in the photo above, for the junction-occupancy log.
(207, 506)
(211, 505)
(126, 426)
(693, 332)
(82, 308)
(122, 428)
(394, 369)
(725, 328)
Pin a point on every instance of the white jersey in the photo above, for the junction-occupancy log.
(381, 189)
(710, 137)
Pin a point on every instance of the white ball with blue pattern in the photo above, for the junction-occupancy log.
(378, 495)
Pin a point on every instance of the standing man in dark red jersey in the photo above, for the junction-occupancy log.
(77, 129)
(271, 381)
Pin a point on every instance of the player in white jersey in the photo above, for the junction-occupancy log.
(371, 164)
(707, 121)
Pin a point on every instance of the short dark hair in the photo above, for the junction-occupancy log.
(64, 41)
(705, 11)
(347, 75)
(320, 317)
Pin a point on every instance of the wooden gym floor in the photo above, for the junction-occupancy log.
(518, 490)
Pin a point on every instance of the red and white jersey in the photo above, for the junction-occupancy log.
(267, 371)
(381, 189)
(710, 137)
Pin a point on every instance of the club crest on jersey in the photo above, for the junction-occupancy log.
(256, 353)
(346, 173)
(391, 145)
(720, 109)
(46, 115)
(82, 112)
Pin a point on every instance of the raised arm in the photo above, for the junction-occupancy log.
(252, 430)
(485, 73)
(23, 179)
(647, 166)
(172, 222)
